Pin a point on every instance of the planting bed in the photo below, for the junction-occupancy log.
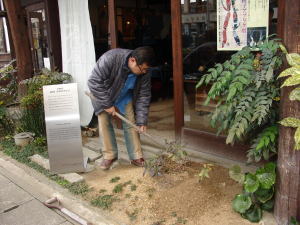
(177, 197)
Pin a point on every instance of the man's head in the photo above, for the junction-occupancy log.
(141, 60)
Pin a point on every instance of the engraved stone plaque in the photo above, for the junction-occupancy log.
(63, 128)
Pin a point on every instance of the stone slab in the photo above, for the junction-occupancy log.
(72, 177)
(91, 155)
(11, 196)
(3, 181)
(41, 161)
(93, 145)
(30, 213)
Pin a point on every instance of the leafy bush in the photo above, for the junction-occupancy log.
(294, 79)
(246, 88)
(258, 193)
(33, 118)
(8, 84)
(8, 93)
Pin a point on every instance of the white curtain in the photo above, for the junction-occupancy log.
(78, 52)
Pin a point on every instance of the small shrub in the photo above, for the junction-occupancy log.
(133, 187)
(114, 180)
(104, 202)
(204, 173)
(118, 188)
(258, 193)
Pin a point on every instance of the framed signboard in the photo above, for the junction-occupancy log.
(63, 128)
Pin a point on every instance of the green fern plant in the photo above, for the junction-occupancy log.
(294, 79)
(246, 89)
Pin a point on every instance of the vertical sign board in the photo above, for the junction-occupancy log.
(63, 128)
(241, 23)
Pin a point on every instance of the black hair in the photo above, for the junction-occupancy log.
(144, 54)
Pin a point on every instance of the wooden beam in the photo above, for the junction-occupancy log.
(287, 202)
(112, 23)
(177, 66)
(19, 38)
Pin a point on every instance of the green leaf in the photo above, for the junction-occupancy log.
(254, 214)
(266, 180)
(264, 195)
(236, 174)
(297, 139)
(241, 203)
(295, 94)
(270, 167)
(269, 74)
(231, 94)
(251, 183)
(283, 49)
(269, 205)
(293, 59)
(290, 122)
(260, 144)
(290, 72)
(200, 82)
(291, 81)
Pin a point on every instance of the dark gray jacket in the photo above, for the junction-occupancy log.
(108, 78)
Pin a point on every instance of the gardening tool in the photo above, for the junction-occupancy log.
(55, 204)
(132, 124)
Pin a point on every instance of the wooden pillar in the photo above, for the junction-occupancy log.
(177, 66)
(112, 24)
(288, 172)
(20, 38)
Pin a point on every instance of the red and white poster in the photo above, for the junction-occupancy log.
(241, 23)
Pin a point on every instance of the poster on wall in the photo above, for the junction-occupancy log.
(241, 23)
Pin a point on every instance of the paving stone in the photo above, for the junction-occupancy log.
(92, 156)
(72, 177)
(3, 181)
(93, 145)
(11, 195)
(31, 213)
(41, 161)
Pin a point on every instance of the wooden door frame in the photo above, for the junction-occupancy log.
(28, 9)
(112, 23)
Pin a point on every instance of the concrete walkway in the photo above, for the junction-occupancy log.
(19, 207)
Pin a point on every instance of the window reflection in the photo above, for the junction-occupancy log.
(199, 36)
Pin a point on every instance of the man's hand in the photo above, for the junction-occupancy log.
(111, 111)
(142, 129)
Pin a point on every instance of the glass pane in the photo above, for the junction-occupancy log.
(2, 37)
(199, 38)
(199, 34)
(39, 40)
(99, 20)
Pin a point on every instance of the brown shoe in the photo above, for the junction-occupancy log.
(138, 162)
(107, 163)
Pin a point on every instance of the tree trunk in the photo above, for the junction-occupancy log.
(18, 28)
(288, 171)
